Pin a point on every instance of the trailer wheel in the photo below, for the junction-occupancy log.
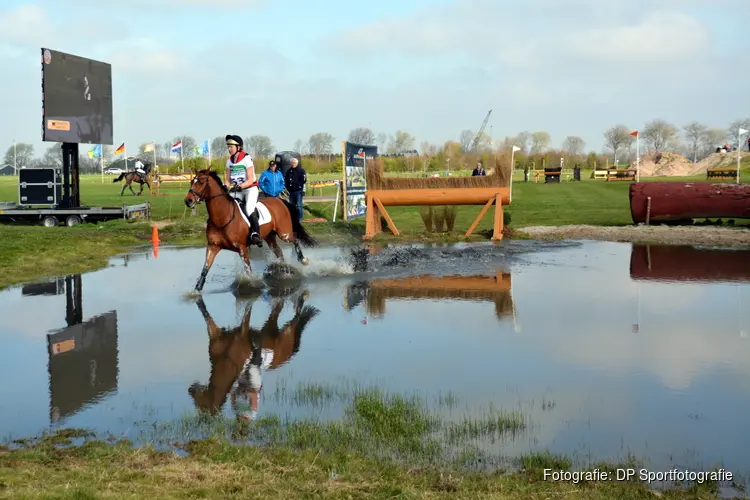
(50, 221)
(72, 220)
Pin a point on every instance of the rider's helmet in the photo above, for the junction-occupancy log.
(234, 140)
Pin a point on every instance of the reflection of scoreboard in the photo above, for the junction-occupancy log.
(82, 364)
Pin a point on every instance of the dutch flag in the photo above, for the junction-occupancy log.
(177, 146)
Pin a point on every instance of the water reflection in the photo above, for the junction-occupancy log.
(239, 355)
(686, 263)
(377, 292)
(82, 361)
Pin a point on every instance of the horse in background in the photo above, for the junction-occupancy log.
(135, 176)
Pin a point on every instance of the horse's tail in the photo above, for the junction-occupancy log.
(300, 234)
(119, 178)
(304, 317)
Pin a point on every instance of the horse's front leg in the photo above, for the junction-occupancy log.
(211, 327)
(211, 251)
(141, 191)
(131, 189)
(245, 254)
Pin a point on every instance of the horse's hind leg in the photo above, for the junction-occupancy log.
(123, 189)
(271, 240)
(131, 189)
(298, 252)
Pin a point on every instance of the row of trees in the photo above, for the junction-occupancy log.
(694, 140)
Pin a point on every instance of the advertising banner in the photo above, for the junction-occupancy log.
(356, 157)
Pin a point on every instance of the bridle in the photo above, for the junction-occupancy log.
(202, 198)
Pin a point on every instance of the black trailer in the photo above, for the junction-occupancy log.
(44, 196)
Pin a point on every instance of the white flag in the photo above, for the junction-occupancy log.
(516, 148)
(743, 131)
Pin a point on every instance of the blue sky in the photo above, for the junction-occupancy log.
(290, 68)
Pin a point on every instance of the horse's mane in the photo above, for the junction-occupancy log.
(215, 176)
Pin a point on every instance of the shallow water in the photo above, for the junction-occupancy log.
(607, 349)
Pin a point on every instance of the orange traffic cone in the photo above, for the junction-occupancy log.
(155, 236)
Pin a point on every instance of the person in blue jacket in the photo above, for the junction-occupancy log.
(271, 181)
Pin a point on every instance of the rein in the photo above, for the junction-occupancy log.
(209, 198)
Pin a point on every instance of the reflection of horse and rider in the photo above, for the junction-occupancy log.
(239, 355)
(141, 174)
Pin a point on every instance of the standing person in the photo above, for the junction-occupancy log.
(296, 178)
(240, 174)
(271, 181)
(479, 170)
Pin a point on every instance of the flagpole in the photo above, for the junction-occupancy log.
(101, 160)
(154, 151)
(182, 156)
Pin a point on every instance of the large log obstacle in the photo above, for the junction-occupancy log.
(686, 263)
(678, 201)
(495, 289)
(384, 191)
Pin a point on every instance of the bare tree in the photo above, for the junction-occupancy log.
(428, 151)
(218, 147)
(260, 146)
(734, 129)
(522, 141)
(616, 138)
(401, 142)
(320, 143)
(714, 138)
(362, 135)
(574, 145)
(540, 142)
(382, 141)
(465, 139)
(660, 135)
(695, 134)
(53, 156)
(300, 146)
(23, 155)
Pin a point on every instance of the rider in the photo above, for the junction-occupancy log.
(240, 174)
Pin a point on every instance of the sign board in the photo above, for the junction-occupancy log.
(355, 158)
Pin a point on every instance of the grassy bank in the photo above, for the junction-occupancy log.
(385, 446)
(30, 252)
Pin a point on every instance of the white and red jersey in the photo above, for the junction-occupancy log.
(237, 165)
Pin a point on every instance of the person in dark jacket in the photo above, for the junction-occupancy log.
(295, 180)
(271, 181)
(479, 170)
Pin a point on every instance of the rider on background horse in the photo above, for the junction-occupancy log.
(240, 174)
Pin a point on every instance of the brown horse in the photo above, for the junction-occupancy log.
(230, 348)
(133, 176)
(227, 230)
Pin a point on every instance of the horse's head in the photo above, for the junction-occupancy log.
(203, 397)
(205, 185)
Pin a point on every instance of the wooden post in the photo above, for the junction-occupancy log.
(497, 234)
(648, 210)
(479, 217)
(370, 229)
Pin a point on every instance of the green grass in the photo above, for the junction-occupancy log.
(384, 446)
(30, 252)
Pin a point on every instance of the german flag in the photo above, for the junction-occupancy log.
(120, 150)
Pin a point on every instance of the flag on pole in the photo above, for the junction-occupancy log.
(202, 148)
(516, 148)
(743, 131)
(120, 150)
(634, 133)
(96, 151)
(151, 146)
(176, 147)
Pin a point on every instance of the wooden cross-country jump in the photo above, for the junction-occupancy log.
(385, 192)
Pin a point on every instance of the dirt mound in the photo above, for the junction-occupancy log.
(664, 164)
(717, 160)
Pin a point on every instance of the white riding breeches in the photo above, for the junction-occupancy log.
(249, 197)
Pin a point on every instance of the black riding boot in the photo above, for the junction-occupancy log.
(255, 229)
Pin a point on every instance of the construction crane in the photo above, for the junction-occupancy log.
(477, 137)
